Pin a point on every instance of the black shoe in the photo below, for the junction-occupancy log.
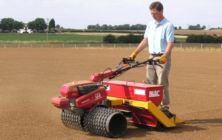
(166, 111)
(164, 107)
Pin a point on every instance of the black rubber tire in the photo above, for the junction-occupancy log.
(72, 120)
(160, 127)
(105, 122)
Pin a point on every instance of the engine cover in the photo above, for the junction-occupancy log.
(75, 89)
(92, 98)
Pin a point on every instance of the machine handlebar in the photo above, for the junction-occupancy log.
(124, 65)
(127, 64)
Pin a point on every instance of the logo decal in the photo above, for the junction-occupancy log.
(98, 96)
(154, 93)
(139, 92)
(108, 88)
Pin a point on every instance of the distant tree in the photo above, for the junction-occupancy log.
(52, 25)
(122, 39)
(18, 25)
(134, 38)
(58, 28)
(7, 24)
(110, 27)
(91, 27)
(202, 39)
(196, 27)
(109, 39)
(180, 28)
(31, 25)
(129, 39)
(123, 27)
(104, 27)
(219, 39)
(97, 27)
(94, 27)
(38, 24)
(115, 27)
(203, 27)
(138, 27)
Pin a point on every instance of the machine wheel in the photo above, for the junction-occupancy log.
(160, 127)
(72, 120)
(105, 122)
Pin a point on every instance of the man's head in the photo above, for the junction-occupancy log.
(156, 10)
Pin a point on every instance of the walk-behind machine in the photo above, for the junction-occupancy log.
(103, 106)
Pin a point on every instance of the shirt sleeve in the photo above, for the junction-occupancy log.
(170, 33)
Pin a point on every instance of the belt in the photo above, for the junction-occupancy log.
(156, 54)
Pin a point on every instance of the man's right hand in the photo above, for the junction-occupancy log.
(133, 56)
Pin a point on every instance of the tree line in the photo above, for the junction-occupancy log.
(106, 27)
(196, 27)
(37, 25)
(204, 39)
(40, 25)
(122, 39)
(137, 39)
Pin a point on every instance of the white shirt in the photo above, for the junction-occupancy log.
(158, 34)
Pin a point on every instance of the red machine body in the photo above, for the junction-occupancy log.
(118, 89)
(135, 91)
(139, 92)
(91, 99)
(70, 90)
(60, 102)
(96, 77)
(82, 94)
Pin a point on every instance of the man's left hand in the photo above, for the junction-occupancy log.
(163, 59)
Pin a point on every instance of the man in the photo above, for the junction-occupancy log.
(159, 38)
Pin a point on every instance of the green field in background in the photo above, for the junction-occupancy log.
(61, 37)
(43, 37)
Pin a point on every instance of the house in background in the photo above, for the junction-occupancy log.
(25, 30)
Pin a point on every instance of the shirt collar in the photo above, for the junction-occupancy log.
(161, 22)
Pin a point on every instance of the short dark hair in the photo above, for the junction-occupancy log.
(156, 5)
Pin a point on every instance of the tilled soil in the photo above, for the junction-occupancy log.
(30, 77)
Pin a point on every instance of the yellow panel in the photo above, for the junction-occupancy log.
(178, 120)
(160, 116)
(115, 101)
(152, 108)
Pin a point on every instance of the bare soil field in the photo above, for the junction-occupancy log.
(30, 77)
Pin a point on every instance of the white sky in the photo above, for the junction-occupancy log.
(80, 13)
